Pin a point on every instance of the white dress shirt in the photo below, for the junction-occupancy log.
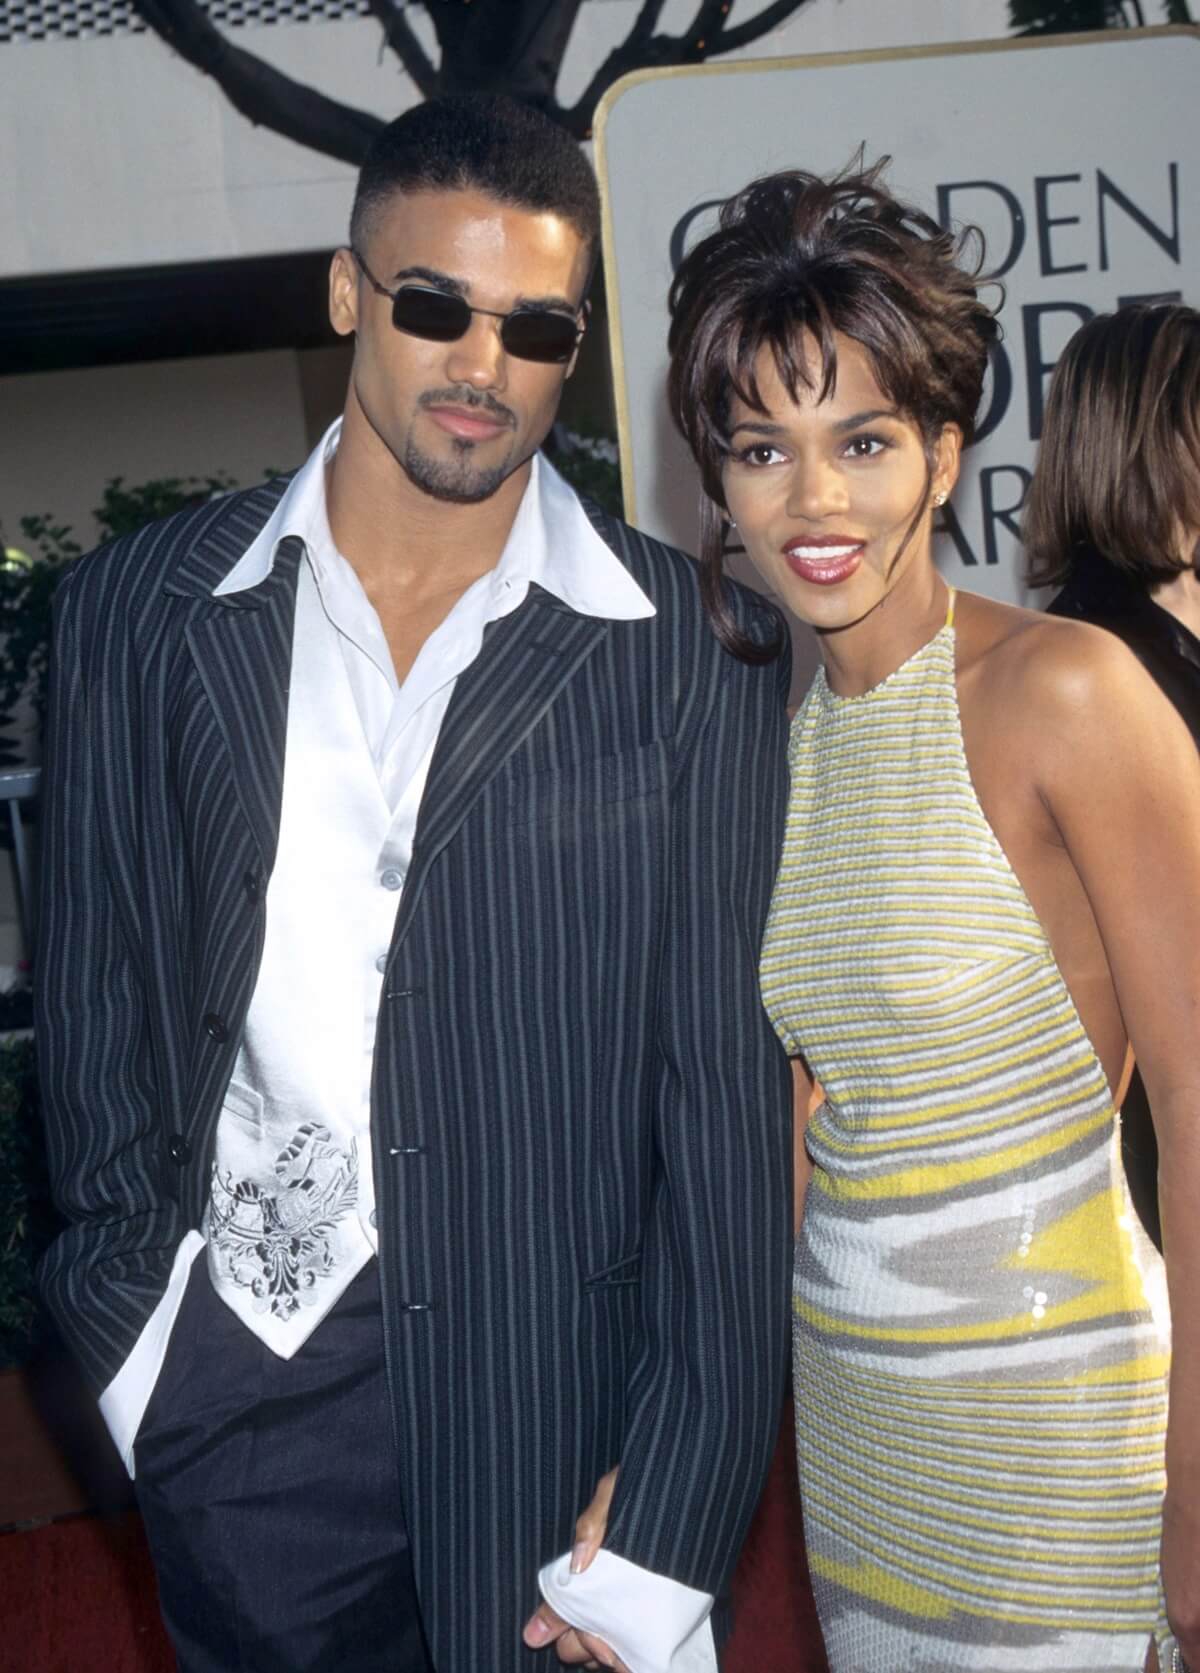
(656, 1624)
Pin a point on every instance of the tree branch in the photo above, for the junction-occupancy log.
(398, 33)
(729, 40)
(645, 24)
(705, 26)
(263, 95)
(708, 34)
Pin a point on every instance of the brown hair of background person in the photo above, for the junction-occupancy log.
(1118, 469)
(795, 254)
(1114, 495)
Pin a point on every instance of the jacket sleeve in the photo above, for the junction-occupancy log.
(104, 1274)
(707, 1384)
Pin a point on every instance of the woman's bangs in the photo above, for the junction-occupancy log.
(784, 325)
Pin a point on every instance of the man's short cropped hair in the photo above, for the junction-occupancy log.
(483, 142)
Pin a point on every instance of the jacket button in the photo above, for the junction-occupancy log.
(179, 1150)
(215, 1028)
(251, 885)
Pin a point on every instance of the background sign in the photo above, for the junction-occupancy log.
(1076, 157)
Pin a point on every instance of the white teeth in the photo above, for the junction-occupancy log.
(814, 554)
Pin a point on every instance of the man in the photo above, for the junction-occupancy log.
(408, 842)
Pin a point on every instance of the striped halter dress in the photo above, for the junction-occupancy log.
(981, 1343)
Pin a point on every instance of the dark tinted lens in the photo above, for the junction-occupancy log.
(430, 313)
(537, 334)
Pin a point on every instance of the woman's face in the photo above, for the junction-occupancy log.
(824, 493)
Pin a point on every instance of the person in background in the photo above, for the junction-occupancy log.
(1113, 518)
(1113, 511)
(990, 883)
(408, 841)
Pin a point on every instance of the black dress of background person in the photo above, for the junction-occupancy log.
(1114, 513)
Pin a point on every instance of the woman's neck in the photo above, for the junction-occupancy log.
(906, 618)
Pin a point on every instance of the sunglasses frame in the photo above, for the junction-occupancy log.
(491, 313)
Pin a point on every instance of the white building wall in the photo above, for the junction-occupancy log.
(67, 433)
(115, 153)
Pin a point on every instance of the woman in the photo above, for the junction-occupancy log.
(1116, 489)
(1114, 506)
(991, 876)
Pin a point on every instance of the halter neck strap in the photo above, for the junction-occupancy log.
(950, 606)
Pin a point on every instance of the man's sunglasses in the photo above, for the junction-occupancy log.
(529, 333)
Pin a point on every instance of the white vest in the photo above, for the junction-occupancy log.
(291, 1220)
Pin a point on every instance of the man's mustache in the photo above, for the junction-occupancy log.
(468, 397)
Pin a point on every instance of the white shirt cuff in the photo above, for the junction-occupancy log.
(655, 1624)
(123, 1403)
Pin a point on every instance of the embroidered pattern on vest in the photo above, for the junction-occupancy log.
(277, 1243)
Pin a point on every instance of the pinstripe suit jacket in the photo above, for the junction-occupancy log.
(587, 1261)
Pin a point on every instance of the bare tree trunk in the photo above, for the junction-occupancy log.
(517, 48)
(505, 46)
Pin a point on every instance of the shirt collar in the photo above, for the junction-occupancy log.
(301, 511)
(552, 542)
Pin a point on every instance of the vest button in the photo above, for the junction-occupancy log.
(215, 1028)
(252, 886)
(179, 1150)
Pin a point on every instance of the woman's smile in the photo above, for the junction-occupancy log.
(825, 560)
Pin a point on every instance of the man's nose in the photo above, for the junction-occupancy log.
(478, 357)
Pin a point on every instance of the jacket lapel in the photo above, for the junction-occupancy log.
(526, 660)
(242, 648)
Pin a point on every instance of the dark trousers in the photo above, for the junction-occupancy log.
(270, 1496)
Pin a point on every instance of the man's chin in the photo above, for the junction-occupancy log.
(456, 481)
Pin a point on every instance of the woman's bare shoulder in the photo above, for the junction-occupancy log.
(1049, 667)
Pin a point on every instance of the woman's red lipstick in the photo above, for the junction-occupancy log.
(823, 559)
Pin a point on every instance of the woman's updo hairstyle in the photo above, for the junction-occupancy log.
(797, 256)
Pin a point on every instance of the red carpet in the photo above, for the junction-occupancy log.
(78, 1596)
(775, 1629)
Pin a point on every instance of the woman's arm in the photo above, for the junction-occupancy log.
(806, 1095)
(1120, 776)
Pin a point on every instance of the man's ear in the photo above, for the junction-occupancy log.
(585, 315)
(343, 293)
